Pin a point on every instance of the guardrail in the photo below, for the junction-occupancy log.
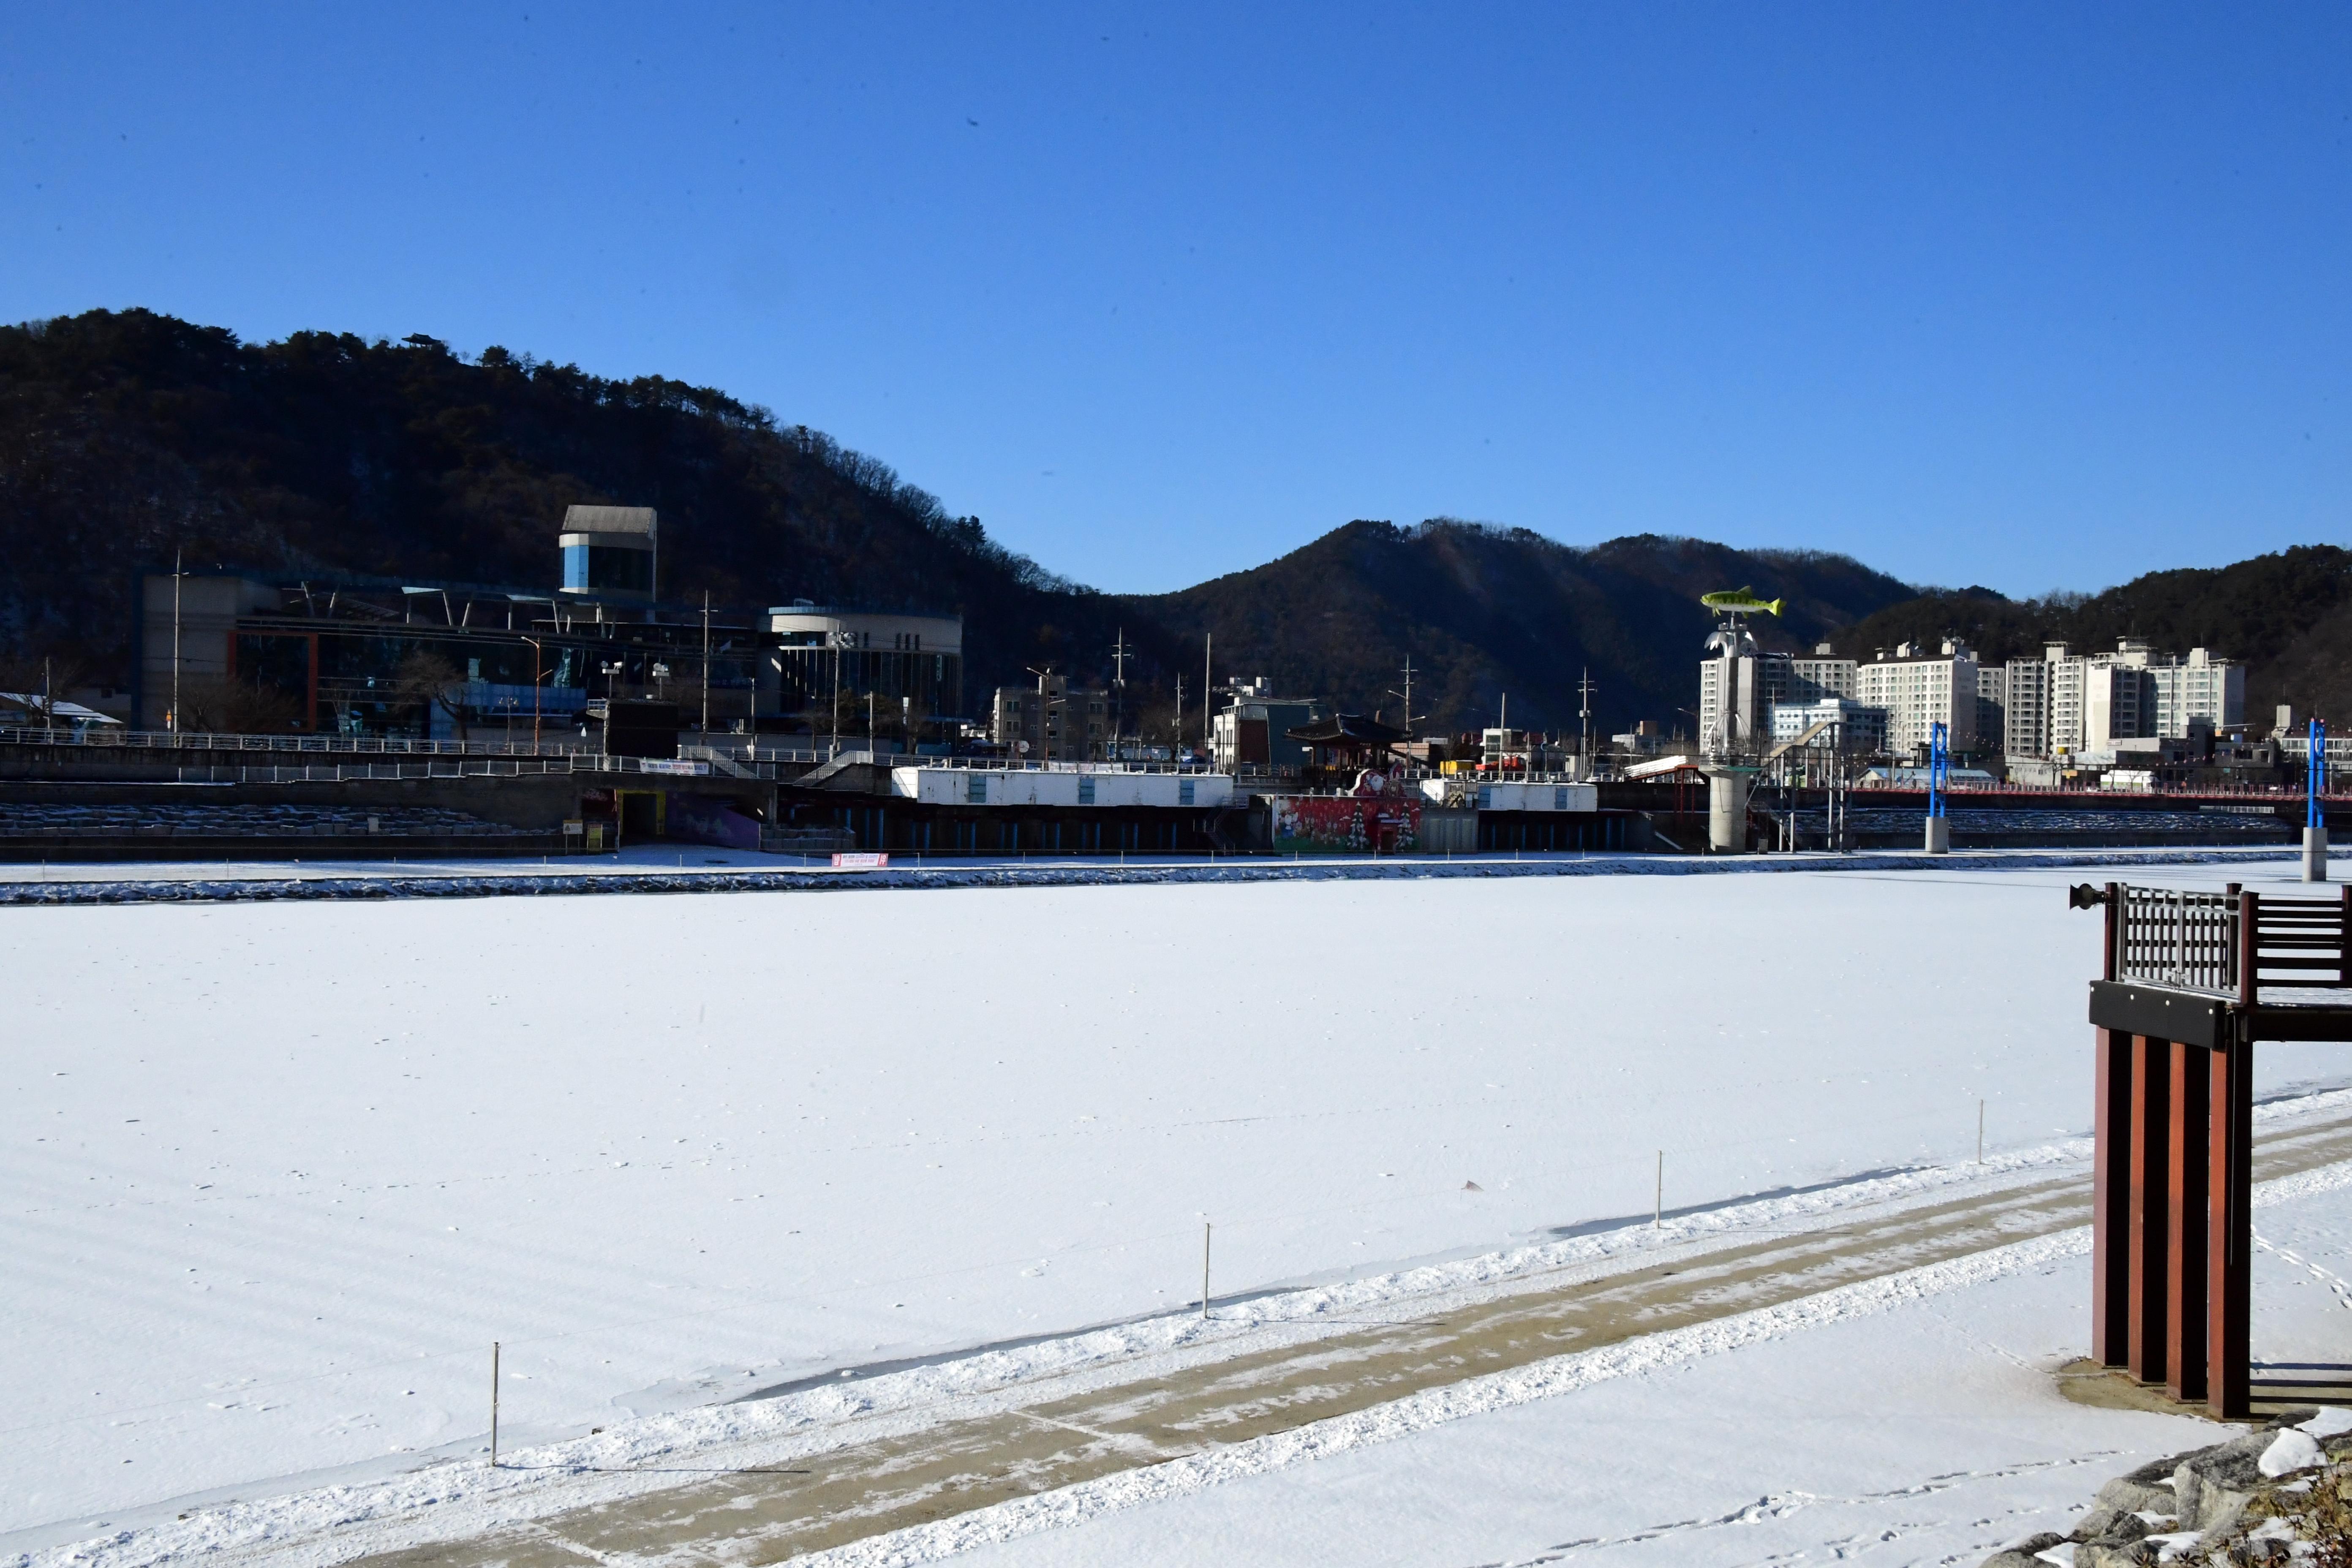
(462, 768)
(110, 738)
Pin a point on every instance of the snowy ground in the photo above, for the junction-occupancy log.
(1929, 1432)
(281, 1174)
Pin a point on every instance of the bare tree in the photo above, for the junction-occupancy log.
(43, 679)
(219, 705)
(430, 682)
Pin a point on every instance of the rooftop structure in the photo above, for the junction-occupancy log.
(612, 552)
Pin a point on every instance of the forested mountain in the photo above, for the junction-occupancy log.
(1487, 613)
(2288, 617)
(125, 436)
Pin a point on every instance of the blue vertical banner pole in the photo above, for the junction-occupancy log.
(2315, 774)
(2315, 819)
(1939, 837)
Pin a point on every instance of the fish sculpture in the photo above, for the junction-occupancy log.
(1738, 599)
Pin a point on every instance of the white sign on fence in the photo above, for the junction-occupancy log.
(861, 862)
(672, 765)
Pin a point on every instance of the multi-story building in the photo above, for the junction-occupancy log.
(1857, 728)
(1251, 731)
(2198, 689)
(250, 650)
(1917, 690)
(1759, 683)
(910, 665)
(2025, 707)
(1993, 705)
(1812, 677)
(1052, 722)
(2066, 704)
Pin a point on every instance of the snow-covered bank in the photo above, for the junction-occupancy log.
(1902, 1421)
(740, 873)
(460, 1499)
(280, 1174)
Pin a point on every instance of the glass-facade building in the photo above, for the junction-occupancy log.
(370, 660)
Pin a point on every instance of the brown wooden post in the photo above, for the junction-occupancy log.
(2230, 1243)
(2111, 1201)
(2185, 1256)
(2229, 1186)
(2148, 1230)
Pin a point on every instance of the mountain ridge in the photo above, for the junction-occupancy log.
(127, 435)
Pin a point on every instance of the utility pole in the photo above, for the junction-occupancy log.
(1584, 689)
(1208, 682)
(1119, 691)
(706, 667)
(176, 575)
(1407, 694)
(1176, 742)
(834, 749)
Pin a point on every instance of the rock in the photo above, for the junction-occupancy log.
(2141, 1492)
(2019, 1554)
(2213, 1486)
(2109, 1552)
(2114, 1526)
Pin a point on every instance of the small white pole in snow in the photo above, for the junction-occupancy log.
(494, 1404)
(1658, 1213)
(1979, 1131)
(1206, 1229)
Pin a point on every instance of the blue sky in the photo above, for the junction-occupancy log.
(2031, 296)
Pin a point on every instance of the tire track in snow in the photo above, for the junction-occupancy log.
(1044, 1455)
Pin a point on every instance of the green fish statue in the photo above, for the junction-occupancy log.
(1738, 599)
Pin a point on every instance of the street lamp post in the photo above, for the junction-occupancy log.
(176, 575)
(1044, 752)
(535, 662)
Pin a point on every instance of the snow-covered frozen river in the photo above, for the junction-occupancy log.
(277, 1175)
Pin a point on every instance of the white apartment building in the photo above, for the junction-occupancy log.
(1859, 729)
(2198, 689)
(1917, 690)
(1812, 677)
(1759, 683)
(2080, 705)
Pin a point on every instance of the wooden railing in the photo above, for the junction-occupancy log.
(2232, 942)
(2299, 942)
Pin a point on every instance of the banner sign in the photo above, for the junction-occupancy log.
(861, 862)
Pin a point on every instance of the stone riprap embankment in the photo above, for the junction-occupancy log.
(2279, 1494)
